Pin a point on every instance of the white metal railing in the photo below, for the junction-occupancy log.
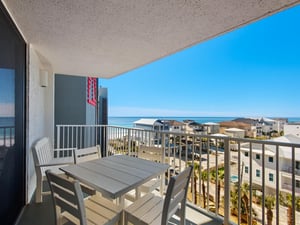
(225, 183)
(7, 136)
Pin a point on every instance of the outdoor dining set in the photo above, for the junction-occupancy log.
(90, 189)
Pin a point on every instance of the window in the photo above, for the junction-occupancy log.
(257, 173)
(271, 177)
(271, 159)
(298, 165)
(246, 169)
(297, 183)
(246, 154)
(13, 68)
(257, 156)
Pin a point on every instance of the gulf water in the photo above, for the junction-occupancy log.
(128, 121)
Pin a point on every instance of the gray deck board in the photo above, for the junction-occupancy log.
(43, 214)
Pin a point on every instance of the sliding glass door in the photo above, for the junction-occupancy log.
(12, 120)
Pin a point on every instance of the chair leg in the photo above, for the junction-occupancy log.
(39, 188)
(58, 217)
(121, 220)
(182, 214)
(125, 218)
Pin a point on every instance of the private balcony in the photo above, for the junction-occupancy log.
(223, 194)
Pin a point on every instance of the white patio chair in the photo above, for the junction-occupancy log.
(43, 156)
(154, 210)
(153, 154)
(84, 155)
(87, 154)
(70, 206)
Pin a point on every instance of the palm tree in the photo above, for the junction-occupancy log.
(245, 206)
(234, 199)
(270, 204)
(204, 179)
(196, 171)
(245, 199)
(221, 175)
(298, 203)
(288, 202)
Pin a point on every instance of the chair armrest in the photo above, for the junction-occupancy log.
(54, 164)
(58, 149)
(57, 162)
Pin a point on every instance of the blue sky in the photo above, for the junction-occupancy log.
(252, 71)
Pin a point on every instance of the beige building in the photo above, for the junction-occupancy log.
(235, 132)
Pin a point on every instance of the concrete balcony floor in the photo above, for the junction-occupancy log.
(43, 213)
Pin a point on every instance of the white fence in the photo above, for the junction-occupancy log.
(232, 184)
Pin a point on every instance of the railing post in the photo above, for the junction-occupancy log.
(106, 138)
(163, 144)
(58, 136)
(129, 142)
(226, 182)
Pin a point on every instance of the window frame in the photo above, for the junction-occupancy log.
(257, 173)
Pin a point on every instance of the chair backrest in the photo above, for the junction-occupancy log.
(67, 196)
(42, 151)
(87, 154)
(151, 153)
(176, 194)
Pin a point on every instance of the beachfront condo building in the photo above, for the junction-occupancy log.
(267, 158)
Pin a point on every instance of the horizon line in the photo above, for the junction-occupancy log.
(207, 116)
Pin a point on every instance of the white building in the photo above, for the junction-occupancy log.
(193, 127)
(292, 128)
(285, 164)
(175, 126)
(212, 128)
(150, 124)
(270, 125)
(235, 132)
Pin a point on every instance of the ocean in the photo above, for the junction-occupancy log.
(128, 121)
(7, 121)
(4, 123)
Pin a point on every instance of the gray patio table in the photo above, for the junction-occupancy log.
(115, 175)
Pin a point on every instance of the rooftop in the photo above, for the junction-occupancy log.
(147, 121)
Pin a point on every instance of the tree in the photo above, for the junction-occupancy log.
(245, 199)
(204, 179)
(221, 175)
(288, 202)
(270, 201)
(196, 171)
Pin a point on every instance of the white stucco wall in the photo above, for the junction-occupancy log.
(292, 129)
(40, 111)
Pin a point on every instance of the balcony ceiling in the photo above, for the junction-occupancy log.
(107, 38)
